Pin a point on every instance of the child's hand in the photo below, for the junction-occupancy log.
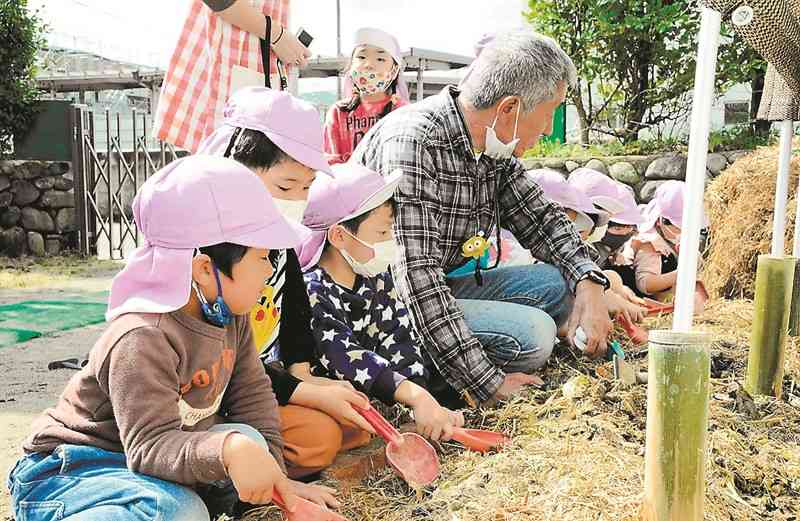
(334, 400)
(434, 421)
(618, 305)
(254, 472)
(456, 417)
(323, 496)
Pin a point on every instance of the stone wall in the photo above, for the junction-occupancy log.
(643, 173)
(37, 208)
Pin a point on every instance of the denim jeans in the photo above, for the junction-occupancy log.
(515, 313)
(84, 483)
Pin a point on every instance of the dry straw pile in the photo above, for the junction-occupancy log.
(578, 449)
(740, 206)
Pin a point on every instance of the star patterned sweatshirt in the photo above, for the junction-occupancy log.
(364, 335)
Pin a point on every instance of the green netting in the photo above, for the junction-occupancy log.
(34, 318)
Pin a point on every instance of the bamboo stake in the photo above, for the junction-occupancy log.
(794, 311)
(774, 281)
(677, 421)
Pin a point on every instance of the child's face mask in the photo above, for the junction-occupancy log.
(291, 210)
(217, 314)
(670, 232)
(372, 70)
(288, 182)
(385, 253)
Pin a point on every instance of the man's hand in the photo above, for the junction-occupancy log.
(334, 400)
(591, 313)
(619, 305)
(513, 384)
(254, 472)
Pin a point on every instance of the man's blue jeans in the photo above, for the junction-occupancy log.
(515, 313)
(84, 483)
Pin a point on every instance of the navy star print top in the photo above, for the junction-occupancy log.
(364, 335)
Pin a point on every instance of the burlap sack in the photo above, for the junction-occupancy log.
(774, 32)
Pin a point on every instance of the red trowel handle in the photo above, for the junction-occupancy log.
(384, 429)
(305, 510)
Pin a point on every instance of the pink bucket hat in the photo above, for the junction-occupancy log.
(193, 202)
(387, 42)
(612, 196)
(667, 202)
(354, 190)
(558, 190)
(291, 123)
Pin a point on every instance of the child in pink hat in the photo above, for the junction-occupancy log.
(591, 216)
(364, 332)
(624, 216)
(374, 87)
(173, 417)
(279, 137)
(653, 252)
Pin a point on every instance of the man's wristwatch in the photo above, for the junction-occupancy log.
(598, 277)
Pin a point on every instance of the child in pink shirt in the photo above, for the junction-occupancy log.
(374, 77)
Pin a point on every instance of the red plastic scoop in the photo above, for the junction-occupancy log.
(408, 453)
(480, 440)
(655, 307)
(637, 334)
(305, 510)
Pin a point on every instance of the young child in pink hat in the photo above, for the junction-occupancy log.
(279, 137)
(653, 252)
(363, 331)
(591, 217)
(624, 216)
(173, 411)
(374, 87)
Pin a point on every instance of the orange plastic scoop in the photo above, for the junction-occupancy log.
(409, 454)
(305, 510)
(480, 440)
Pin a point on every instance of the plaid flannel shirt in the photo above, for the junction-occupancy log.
(445, 197)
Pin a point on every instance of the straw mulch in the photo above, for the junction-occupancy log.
(740, 205)
(578, 449)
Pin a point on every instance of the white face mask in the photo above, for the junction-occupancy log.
(291, 210)
(495, 148)
(598, 234)
(385, 254)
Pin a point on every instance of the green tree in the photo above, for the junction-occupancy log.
(635, 58)
(22, 35)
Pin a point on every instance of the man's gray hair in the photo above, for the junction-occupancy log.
(519, 62)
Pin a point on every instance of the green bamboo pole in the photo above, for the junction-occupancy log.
(794, 313)
(677, 420)
(774, 281)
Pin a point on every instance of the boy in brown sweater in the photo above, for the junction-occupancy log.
(174, 399)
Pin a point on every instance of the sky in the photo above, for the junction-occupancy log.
(144, 31)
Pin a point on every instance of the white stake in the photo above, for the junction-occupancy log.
(782, 190)
(708, 43)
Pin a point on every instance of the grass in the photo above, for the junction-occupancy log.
(30, 272)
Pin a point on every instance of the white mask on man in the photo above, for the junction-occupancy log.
(495, 148)
(291, 210)
(385, 254)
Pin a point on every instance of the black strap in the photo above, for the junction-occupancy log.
(264, 43)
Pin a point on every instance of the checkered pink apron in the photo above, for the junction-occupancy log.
(197, 82)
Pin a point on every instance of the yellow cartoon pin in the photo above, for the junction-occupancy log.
(263, 319)
(475, 247)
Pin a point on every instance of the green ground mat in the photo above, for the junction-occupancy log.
(34, 318)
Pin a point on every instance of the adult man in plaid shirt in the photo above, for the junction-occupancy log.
(486, 334)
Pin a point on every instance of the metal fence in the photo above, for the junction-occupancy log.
(108, 175)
